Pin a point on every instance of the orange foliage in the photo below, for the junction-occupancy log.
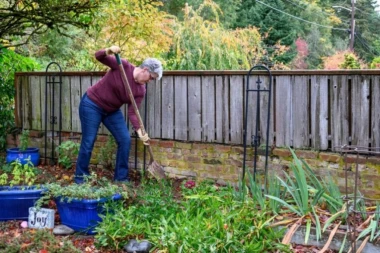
(335, 61)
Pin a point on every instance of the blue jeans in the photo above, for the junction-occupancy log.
(91, 115)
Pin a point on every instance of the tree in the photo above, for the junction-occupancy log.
(68, 51)
(275, 27)
(367, 22)
(228, 14)
(21, 19)
(205, 44)
(138, 27)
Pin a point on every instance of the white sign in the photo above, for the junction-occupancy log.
(43, 218)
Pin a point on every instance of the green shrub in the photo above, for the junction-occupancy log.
(10, 63)
(207, 218)
(106, 155)
(67, 152)
(93, 187)
(350, 62)
(375, 64)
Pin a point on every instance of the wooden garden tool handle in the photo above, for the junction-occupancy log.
(129, 91)
(135, 108)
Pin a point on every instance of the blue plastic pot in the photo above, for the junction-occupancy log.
(82, 215)
(16, 153)
(16, 200)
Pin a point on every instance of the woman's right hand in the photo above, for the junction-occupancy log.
(112, 50)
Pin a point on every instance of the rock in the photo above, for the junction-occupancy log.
(63, 230)
(24, 224)
(135, 247)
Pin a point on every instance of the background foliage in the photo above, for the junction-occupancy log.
(10, 63)
(205, 44)
(267, 30)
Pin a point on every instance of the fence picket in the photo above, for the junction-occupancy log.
(236, 109)
(319, 112)
(195, 111)
(360, 110)
(283, 112)
(220, 109)
(180, 108)
(375, 108)
(75, 100)
(300, 112)
(208, 109)
(35, 95)
(339, 111)
(167, 107)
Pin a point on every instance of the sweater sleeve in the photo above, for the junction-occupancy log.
(131, 112)
(108, 60)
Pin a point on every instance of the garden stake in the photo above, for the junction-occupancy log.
(155, 169)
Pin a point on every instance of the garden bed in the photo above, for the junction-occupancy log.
(201, 210)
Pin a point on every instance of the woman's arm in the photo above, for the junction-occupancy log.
(108, 60)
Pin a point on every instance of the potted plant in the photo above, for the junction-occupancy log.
(80, 205)
(24, 152)
(17, 192)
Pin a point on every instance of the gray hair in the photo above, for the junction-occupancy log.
(153, 65)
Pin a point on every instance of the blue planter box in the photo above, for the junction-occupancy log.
(82, 215)
(16, 153)
(15, 201)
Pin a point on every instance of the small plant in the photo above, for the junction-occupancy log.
(21, 174)
(24, 140)
(106, 154)
(92, 188)
(67, 151)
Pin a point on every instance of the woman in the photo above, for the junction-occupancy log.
(101, 104)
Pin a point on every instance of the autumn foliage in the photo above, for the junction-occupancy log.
(302, 52)
(137, 26)
(343, 60)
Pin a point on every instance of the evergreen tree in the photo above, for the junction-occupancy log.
(367, 21)
(228, 9)
(275, 27)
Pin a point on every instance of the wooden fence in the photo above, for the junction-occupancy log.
(309, 109)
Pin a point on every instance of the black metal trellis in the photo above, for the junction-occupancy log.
(50, 82)
(352, 199)
(257, 136)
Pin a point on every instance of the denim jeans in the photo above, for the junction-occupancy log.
(91, 115)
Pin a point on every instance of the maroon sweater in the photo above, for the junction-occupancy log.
(109, 92)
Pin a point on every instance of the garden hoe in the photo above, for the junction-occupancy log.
(155, 169)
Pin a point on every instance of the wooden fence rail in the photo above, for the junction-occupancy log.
(309, 109)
